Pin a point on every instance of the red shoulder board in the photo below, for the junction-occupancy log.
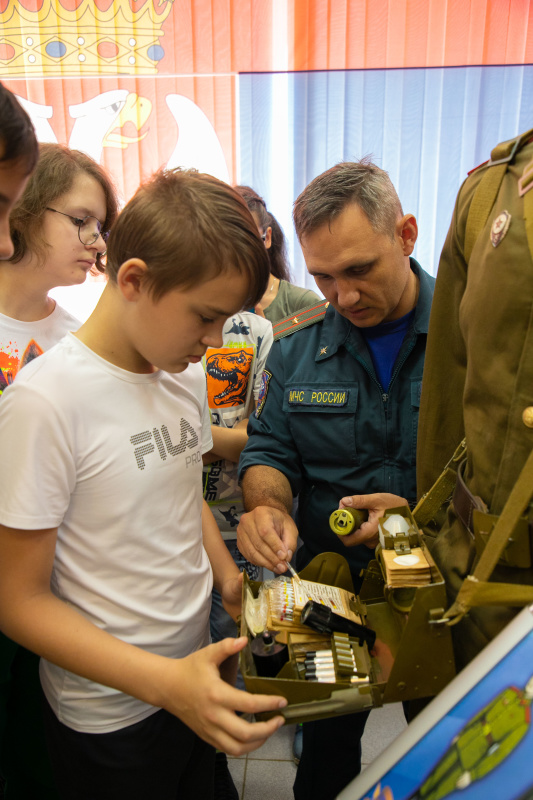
(302, 319)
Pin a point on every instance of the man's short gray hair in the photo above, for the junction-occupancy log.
(360, 182)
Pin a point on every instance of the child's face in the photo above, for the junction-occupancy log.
(13, 179)
(176, 330)
(69, 260)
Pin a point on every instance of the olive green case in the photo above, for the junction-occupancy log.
(412, 657)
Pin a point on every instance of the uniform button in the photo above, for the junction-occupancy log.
(527, 416)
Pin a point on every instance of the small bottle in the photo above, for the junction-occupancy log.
(269, 656)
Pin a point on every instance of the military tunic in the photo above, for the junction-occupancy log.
(329, 426)
(478, 381)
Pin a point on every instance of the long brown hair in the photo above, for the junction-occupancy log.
(277, 252)
(53, 177)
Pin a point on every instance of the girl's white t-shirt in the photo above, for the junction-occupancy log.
(21, 342)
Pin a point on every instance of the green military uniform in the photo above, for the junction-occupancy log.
(478, 379)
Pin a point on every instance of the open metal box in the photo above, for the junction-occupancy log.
(412, 656)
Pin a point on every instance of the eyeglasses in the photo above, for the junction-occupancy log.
(89, 228)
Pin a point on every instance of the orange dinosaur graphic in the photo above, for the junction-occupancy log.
(227, 376)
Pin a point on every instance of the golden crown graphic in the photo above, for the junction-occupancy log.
(81, 37)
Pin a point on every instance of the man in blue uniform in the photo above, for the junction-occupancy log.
(337, 417)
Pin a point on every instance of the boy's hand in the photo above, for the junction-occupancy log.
(376, 504)
(195, 692)
(267, 536)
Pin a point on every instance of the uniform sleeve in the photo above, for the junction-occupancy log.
(38, 477)
(441, 426)
(270, 441)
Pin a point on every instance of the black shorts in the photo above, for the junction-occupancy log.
(159, 757)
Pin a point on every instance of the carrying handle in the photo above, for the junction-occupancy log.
(343, 701)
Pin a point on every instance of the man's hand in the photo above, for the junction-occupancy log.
(195, 692)
(376, 504)
(267, 536)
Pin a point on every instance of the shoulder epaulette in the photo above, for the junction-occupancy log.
(489, 186)
(302, 319)
(506, 151)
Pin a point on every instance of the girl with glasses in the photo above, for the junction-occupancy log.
(58, 229)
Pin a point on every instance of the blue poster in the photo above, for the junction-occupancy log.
(481, 748)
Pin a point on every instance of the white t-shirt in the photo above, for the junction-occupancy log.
(21, 342)
(234, 373)
(114, 460)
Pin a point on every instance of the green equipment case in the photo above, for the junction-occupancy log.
(411, 658)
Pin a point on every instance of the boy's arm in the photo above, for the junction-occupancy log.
(190, 687)
(226, 576)
(227, 442)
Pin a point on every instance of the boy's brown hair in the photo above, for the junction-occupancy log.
(188, 227)
(17, 135)
(53, 177)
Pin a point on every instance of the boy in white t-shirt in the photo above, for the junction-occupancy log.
(108, 552)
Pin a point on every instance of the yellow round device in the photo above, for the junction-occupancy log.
(345, 520)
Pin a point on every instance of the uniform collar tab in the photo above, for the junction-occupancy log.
(335, 331)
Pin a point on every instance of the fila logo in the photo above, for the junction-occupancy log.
(147, 441)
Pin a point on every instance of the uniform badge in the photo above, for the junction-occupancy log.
(500, 226)
(263, 391)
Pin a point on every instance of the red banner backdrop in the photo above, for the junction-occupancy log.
(376, 34)
(145, 83)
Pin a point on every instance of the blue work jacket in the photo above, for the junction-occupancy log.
(327, 424)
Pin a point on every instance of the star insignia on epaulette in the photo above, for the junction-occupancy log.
(303, 318)
(323, 351)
